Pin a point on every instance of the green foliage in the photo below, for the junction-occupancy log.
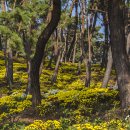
(48, 125)
(13, 126)
(67, 99)
(110, 125)
(74, 106)
(58, 125)
(13, 105)
(73, 102)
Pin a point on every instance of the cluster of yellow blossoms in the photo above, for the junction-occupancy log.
(111, 125)
(48, 125)
(56, 125)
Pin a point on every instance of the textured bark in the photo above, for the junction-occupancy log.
(54, 77)
(88, 73)
(75, 30)
(106, 46)
(108, 69)
(88, 61)
(39, 53)
(128, 42)
(82, 36)
(82, 27)
(74, 52)
(120, 58)
(0, 42)
(9, 68)
(91, 23)
(127, 27)
(7, 54)
(68, 32)
(27, 49)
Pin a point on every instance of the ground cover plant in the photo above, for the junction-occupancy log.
(64, 106)
(65, 65)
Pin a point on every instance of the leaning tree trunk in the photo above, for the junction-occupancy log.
(39, 53)
(107, 60)
(120, 58)
(108, 69)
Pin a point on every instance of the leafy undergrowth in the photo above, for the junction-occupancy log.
(66, 104)
(67, 78)
(60, 125)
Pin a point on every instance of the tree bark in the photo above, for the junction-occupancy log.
(7, 54)
(9, 68)
(75, 30)
(106, 46)
(91, 23)
(54, 77)
(82, 36)
(88, 60)
(74, 51)
(120, 58)
(68, 31)
(39, 53)
(27, 49)
(128, 42)
(108, 69)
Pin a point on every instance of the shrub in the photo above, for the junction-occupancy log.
(57, 125)
(86, 102)
(111, 125)
(48, 125)
(11, 106)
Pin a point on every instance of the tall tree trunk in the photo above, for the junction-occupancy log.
(10, 68)
(8, 54)
(39, 53)
(27, 49)
(0, 42)
(88, 60)
(120, 58)
(127, 26)
(128, 42)
(108, 69)
(106, 46)
(91, 23)
(82, 35)
(54, 77)
(75, 30)
(107, 54)
(68, 30)
(5, 55)
(74, 52)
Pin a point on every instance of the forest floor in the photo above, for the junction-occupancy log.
(66, 104)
